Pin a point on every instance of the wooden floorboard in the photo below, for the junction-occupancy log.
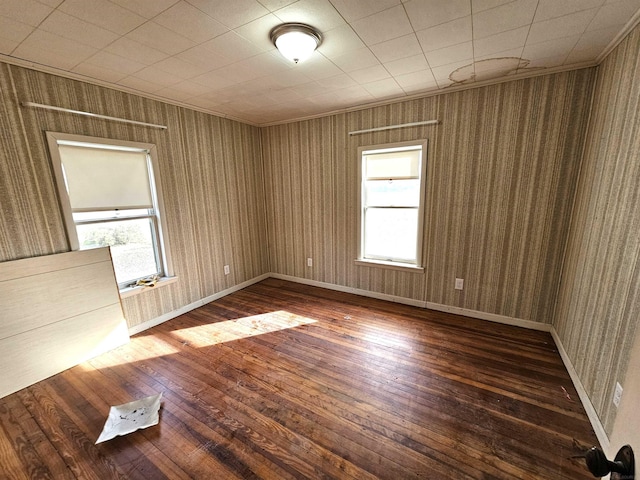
(287, 381)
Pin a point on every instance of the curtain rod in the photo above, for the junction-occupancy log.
(403, 125)
(94, 115)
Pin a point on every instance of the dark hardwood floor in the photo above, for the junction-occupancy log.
(284, 381)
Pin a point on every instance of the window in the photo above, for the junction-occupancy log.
(109, 198)
(393, 185)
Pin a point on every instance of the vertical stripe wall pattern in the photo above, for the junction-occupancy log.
(599, 302)
(209, 170)
(501, 174)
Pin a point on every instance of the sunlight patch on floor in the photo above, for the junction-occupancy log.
(230, 330)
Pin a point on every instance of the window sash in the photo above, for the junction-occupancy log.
(381, 242)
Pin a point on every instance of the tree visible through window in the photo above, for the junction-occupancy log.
(392, 203)
(109, 198)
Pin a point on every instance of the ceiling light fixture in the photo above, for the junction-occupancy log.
(295, 41)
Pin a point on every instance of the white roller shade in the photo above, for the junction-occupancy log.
(396, 165)
(105, 179)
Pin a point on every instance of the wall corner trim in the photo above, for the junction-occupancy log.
(598, 428)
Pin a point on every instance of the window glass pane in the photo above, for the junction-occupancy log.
(396, 193)
(132, 247)
(391, 233)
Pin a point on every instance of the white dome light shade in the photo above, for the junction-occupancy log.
(295, 41)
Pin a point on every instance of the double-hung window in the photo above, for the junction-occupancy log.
(109, 198)
(392, 204)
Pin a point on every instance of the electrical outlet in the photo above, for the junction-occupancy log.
(227, 270)
(459, 283)
(309, 262)
(617, 395)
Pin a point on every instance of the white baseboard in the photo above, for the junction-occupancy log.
(584, 398)
(192, 306)
(492, 317)
(598, 428)
(356, 291)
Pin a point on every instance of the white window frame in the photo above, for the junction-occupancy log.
(394, 264)
(161, 243)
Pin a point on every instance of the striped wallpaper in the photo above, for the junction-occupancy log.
(210, 173)
(599, 303)
(501, 172)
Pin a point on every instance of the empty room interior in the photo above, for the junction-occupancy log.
(412, 251)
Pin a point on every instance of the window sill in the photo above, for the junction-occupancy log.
(132, 291)
(406, 267)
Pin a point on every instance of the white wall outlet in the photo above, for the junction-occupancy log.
(617, 395)
(459, 283)
(227, 270)
(309, 262)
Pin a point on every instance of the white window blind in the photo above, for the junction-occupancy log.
(106, 179)
(398, 165)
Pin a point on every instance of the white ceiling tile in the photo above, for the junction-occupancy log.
(497, 43)
(231, 13)
(596, 39)
(572, 24)
(419, 79)
(615, 14)
(115, 63)
(24, 11)
(550, 48)
(480, 5)
(397, 48)
(369, 74)
(127, 48)
(540, 64)
(511, 53)
(157, 76)
(182, 68)
(339, 81)
(98, 72)
(78, 30)
(273, 5)
(190, 22)
(503, 18)
(161, 38)
(308, 89)
(548, 9)
(340, 40)
(445, 35)
(13, 32)
(351, 10)
(104, 14)
(317, 67)
(317, 13)
(493, 68)
(257, 32)
(290, 78)
(146, 8)
(232, 45)
(407, 65)
(172, 93)
(582, 56)
(214, 80)
(140, 84)
(190, 88)
(355, 60)
(447, 55)
(383, 26)
(429, 13)
(7, 46)
(202, 56)
(386, 88)
(49, 49)
(268, 63)
(50, 3)
(441, 74)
